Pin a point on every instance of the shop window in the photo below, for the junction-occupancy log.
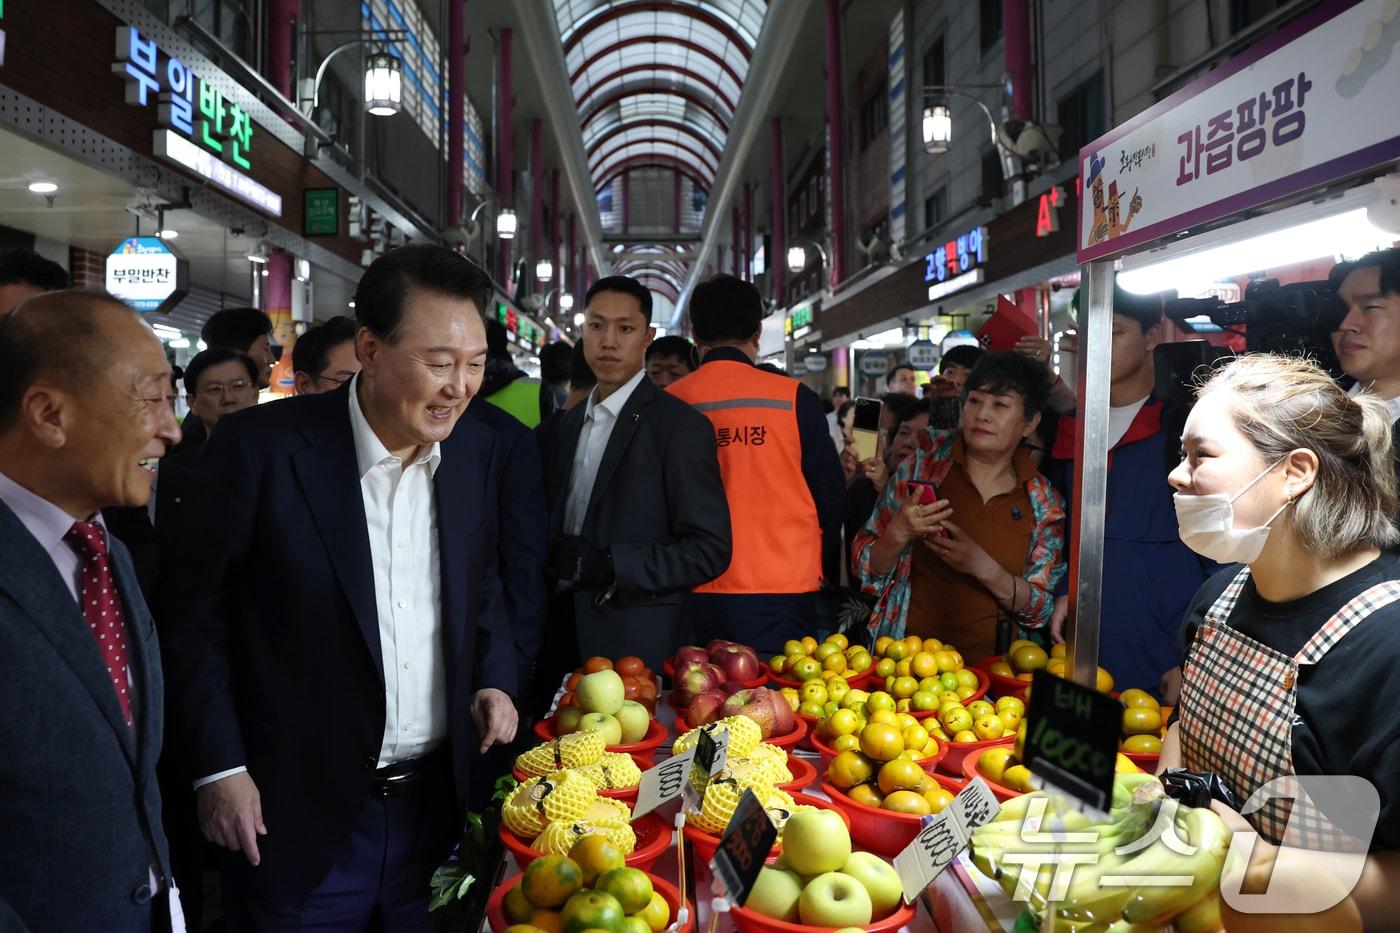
(1248, 12)
(231, 22)
(874, 115)
(419, 54)
(1082, 116)
(988, 23)
(935, 208)
(993, 181)
(935, 64)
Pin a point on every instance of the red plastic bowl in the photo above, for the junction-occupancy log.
(629, 794)
(928, 764)
(804, 774)
(811, 722)
(969, 770)
(955, 753)
(748, 921)
(883, 832)
(705, 843)
(496, 913)
(1002, 686)
(654, 836)
(798, 733)
(646, 748)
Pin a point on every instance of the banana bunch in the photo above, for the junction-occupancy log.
(578, 750)
(1165, 860)
(744, 736)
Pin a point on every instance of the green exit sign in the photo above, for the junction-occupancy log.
(320, 214)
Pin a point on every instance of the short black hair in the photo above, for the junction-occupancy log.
(213, 357)
(497, 341)
(841, 390)
(384, 288)
(26, 267)
(845, 407)
(235, 328)
(725, 309)
(1008, 371)
(675, 345)
(965, 355)
(902, 406)
(1387, 260)
(554, 361)
(889, 376)
(581, 375)
(627, 286)
(1147, 310)
(311, 354)
(53, 336)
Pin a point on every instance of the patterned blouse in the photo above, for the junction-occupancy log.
(1045, 564)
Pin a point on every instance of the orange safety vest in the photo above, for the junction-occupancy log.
(777, 537)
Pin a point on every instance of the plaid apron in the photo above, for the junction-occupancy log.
(1238, 699)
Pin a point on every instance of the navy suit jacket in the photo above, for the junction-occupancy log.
(79, 807)
(271, 628)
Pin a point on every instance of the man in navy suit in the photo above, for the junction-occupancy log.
(336, 631)
(83, 421)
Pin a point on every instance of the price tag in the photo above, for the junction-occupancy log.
(663, 783)
(743, 848)
(1072, 741)
(943, 836)
(711, 754)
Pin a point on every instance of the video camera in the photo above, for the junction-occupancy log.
(1296, 320)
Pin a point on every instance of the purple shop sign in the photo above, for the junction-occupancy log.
(1315, 102)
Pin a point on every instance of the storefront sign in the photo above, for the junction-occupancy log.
(320, 215)
(966, 280)
(1072, 739)
(874, 363)
(187, 103)
(1047, 218)
(1313, 103)
(799, 322)
(519, 330)
(956, 257)
(147, 275)
(181, 151)
(815, 363)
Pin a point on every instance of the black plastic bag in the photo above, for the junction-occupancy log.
(1198, 789)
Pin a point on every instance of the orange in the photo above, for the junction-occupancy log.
(1057, 650)
(523, 928)
(517, 907)
(548, 920)
(966, 678)
(809, 644)
(938, 797)
(897, 650)
(595, 856)
(867, 794)
(550, 880)
(846, 743)
(1104, 681)
(881, 741)
(947, 661)
(932, 644)
(835, 662)
(630, 886)
(924, 664)
(994, 761)
(884, 667)
(1018, 778)
(907, 801)
(1141, 720)
(965, 735)
(592, 910)
(1143, 745)
(900, 774)
(1028, 657)
(988, 727)
(849, 769)
(839, 640)
(657, 914)
(904, 668)
(881, 643)
(1135, 697)
(1001, 669)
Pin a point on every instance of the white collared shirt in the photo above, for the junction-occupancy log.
(1392, 403)
(599, 419)
(401, 517)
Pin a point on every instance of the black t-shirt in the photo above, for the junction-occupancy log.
(1347, 720)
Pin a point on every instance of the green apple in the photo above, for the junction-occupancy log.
(775, 894)
(602, 722)
(568, 719)
(635, 721)
(600, 692)
(834, 900)
(815, 842)
(879, 879)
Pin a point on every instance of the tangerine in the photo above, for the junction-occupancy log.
(550, 880)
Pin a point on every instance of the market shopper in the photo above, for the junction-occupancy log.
(246, 330)
(83, 416)
(339, 649)
(506, 385)
(902, 379)
(781, 477)
(1368, 342)
(945, 389)
(323, 358)
(24, 274)
(638, 514)
(1291, 658)
(907, 418)
(555, 365)
(671, 358)
(992, 544)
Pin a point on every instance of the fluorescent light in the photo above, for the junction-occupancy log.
(956, 284)
(937, 129)
(894, 337)
(166, 332)
(42, 187)
(180, 343)
(167, 234)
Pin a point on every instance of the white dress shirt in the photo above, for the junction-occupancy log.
(599, 419)
(401, 517)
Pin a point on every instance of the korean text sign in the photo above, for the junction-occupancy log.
(1312, 104)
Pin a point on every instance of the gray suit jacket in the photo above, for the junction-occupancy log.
(79, 806)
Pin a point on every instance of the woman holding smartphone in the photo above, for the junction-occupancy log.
(968, 531)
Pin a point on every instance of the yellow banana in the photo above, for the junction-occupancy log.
(1202, 828)
(1201, 917)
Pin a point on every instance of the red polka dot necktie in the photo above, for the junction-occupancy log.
(102, 606)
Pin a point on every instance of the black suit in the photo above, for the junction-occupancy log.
(272, 629)
(657, 506)
(79, 807)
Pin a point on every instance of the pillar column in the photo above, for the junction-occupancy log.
(836, 140)
(748, 232)
(554, 240)
(734, 239)
(456, 96)
(1016, 24)
(536, 196)
(777, 263)
(277, 293)
(572, 279)
(505, 150)
(282, 16)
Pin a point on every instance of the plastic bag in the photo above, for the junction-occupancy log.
(1198, 788)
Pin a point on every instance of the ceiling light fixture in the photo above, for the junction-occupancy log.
(43, 187)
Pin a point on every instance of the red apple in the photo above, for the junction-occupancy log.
(753, 704)
(715, 644)
(737, 662)
(784, 720)
(695, 680)
(690, 654)
(705, 708)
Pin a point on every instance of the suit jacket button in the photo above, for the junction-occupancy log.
(142, 894)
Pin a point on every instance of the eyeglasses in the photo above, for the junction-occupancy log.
(336, 380)
(236, 387)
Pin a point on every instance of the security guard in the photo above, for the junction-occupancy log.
(781, 475)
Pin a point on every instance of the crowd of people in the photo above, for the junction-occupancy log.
(325, 619)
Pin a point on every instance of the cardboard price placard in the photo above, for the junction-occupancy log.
(743, 848)
(1072, 740)
(711, 755)
(943, 836)
(663, 783)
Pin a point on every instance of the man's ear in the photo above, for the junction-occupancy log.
(47, 412)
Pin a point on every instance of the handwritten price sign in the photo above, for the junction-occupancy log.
(944, 836)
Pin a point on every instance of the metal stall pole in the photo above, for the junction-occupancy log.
(1091, 473)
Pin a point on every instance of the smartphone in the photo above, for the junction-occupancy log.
(865, 427)
(928, 492)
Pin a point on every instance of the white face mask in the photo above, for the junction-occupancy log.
(1207, 525)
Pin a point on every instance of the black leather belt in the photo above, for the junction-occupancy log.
(403, 777)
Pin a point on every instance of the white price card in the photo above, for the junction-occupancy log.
(663, 783)
(943, 836)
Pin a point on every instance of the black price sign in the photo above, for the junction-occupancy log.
(1072, 739)
(711, 755)
(743, 848)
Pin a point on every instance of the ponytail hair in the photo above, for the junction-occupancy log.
(1282, 404)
